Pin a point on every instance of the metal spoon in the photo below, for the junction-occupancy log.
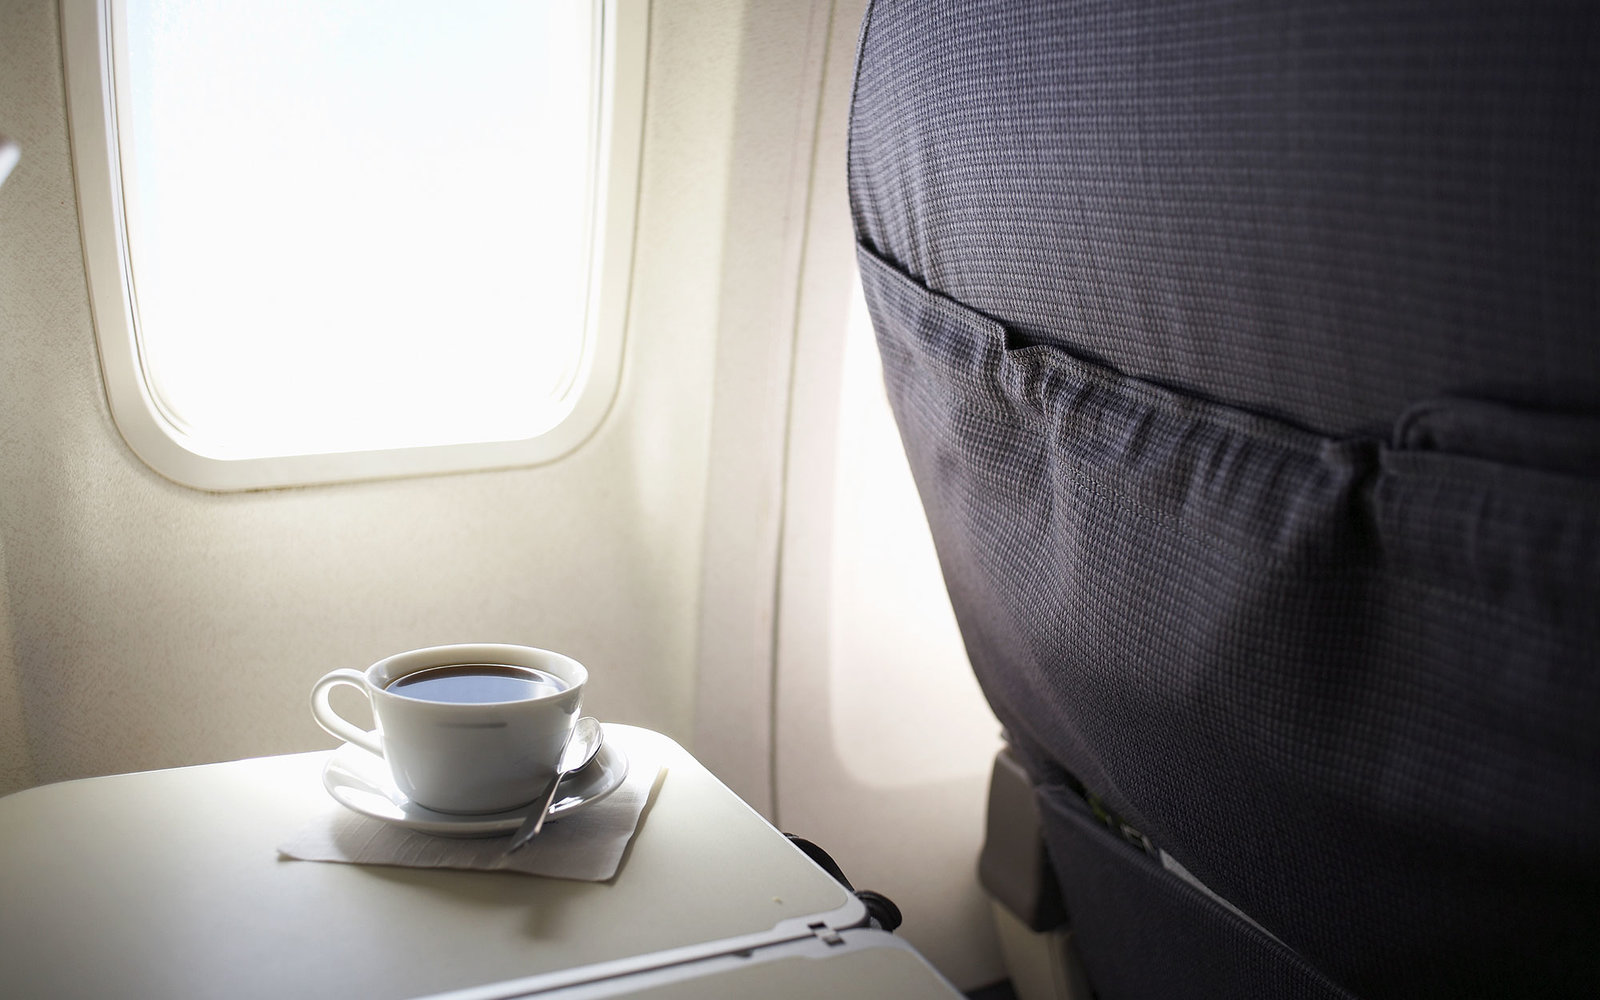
(581, 747)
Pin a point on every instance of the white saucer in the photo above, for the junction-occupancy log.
(361, 782)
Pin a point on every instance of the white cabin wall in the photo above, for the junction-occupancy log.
(783, 49)
(144, 624)
(884, 742)
(16, 760)
(154, 625)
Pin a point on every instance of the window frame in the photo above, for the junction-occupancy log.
(86, 27)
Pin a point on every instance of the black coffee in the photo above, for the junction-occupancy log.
(477, 683)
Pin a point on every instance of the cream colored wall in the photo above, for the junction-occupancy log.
(883, 742)
(775, 136)
(153, 625)
(16, 760)
(143, 624)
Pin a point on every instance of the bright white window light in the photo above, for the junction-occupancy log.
(372, 229)
(357, 225)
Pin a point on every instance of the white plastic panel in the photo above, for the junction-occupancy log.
(883, 741)
(858, 964)
(153, 625)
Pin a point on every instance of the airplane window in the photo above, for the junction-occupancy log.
(345, 235)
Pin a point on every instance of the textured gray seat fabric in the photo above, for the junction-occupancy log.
(1246, 357)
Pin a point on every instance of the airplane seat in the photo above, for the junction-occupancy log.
(1245, 357)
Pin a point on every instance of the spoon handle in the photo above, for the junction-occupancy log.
(583, 742)
(535, 822)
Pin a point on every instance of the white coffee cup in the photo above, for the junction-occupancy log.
(479, 756)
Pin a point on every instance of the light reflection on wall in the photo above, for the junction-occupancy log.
(905, 707)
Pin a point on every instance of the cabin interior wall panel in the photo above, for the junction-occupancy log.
(780, 70)
(144, 624)
(153, 625)
(883, 742)
(16, 758)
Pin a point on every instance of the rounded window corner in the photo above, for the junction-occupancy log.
(214, 459)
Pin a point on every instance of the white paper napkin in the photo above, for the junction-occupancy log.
(587, 845)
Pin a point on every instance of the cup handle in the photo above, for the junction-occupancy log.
(335, 723)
